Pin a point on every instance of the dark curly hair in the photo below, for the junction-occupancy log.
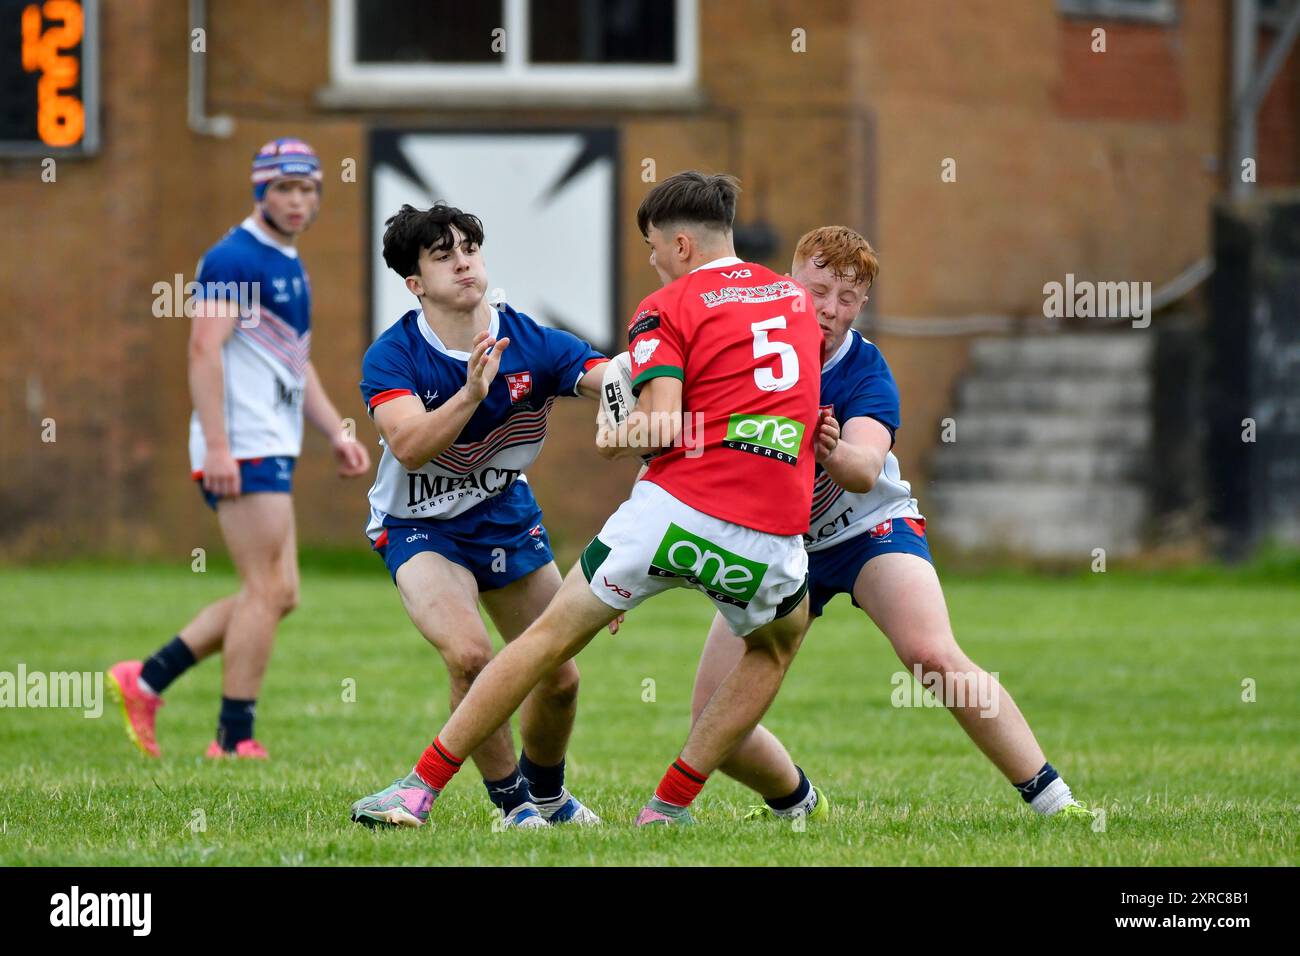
(414, 229)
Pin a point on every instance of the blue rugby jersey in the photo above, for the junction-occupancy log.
(503, 436)
(264, 362)
(856, 383)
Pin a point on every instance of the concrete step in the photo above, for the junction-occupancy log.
(1121, 352)
(1047, 430)
(971, 462)
(1044, 520)
(1074, 543)
(1082, 395)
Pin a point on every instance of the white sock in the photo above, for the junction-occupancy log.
(1054, 796)
(801, 809)
(140, 682)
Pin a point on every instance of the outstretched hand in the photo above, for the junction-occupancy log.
(484, 361)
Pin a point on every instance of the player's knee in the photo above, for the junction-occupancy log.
(561, 686)
(939, 657)
(778, 648)
(279, 597)
(466, 662)
(287, 598)
(785, 653)
(787, 639)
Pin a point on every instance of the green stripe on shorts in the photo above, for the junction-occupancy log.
(593, 556)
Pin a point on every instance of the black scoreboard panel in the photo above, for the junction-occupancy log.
(49, 77)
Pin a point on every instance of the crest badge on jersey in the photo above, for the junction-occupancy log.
(644, 349)
(520, 384)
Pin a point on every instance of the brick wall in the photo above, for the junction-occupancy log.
(1066, 161)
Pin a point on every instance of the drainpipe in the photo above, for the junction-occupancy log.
(200, 122)
(1249, 87)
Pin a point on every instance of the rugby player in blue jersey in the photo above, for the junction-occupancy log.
(251, 380)
(460, 391)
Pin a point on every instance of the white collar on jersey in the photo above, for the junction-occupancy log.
(266, 239)
(718, 263)
(430, 336)
(840, 352)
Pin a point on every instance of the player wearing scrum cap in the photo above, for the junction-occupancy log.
(252, 381)
(867, 539)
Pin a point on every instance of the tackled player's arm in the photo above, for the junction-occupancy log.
(858, 458)
(656, 421)
(414, 435)
(651, 427)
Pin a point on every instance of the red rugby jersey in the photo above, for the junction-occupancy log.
(746, 345)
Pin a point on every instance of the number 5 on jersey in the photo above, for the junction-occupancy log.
(764, 377)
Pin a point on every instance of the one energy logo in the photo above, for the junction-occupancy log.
(719, 573)
(768, 435)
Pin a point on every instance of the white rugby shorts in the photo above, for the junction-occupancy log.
(654, 542)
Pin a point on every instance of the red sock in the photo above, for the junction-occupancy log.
(437, 765)
(681, 784)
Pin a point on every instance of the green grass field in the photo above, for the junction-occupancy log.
(1132, 682)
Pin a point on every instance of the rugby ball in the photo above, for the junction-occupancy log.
(616, 396)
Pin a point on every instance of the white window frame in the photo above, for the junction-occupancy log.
(1163, 11)
(514, 80)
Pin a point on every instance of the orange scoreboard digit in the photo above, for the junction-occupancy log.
(49, 77)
